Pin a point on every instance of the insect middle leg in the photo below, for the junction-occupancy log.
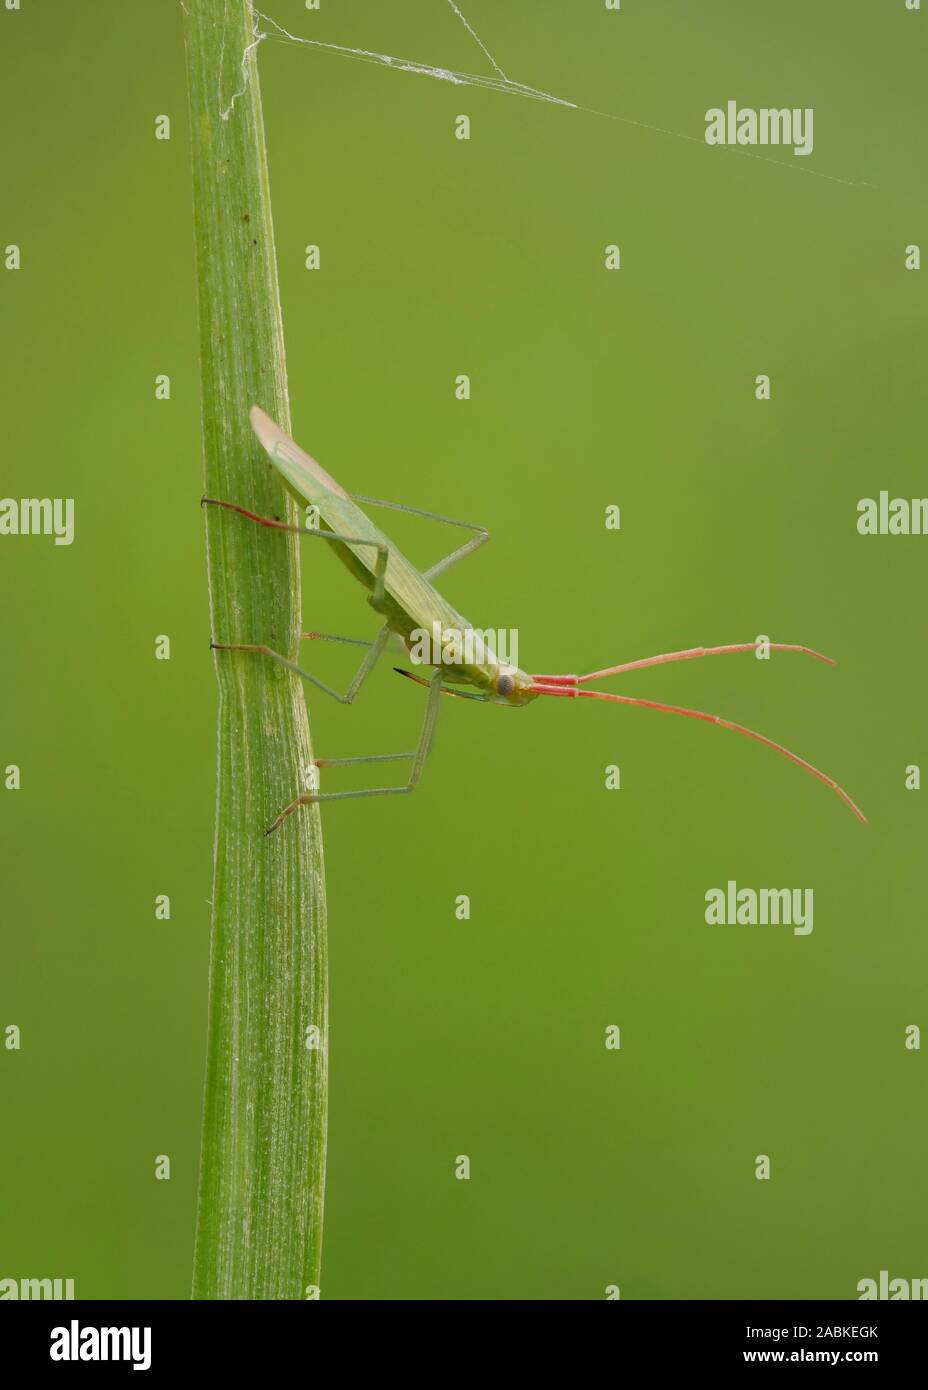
(345, 698)
(419, 757)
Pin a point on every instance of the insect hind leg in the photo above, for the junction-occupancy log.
(380, 565)
(377, 599)
(460, 553)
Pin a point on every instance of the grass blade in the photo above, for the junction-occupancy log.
(259, 1217)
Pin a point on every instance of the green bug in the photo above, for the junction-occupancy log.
(410, 604)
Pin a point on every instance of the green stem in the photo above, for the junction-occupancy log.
(259, 1218)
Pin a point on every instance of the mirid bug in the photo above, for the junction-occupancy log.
(410, 604)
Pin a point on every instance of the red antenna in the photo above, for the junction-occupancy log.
(568, 687)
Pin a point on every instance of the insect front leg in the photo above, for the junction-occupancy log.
(419, 757)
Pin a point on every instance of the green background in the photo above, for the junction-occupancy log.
(589, 388)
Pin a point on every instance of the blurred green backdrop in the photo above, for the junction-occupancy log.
(589, 1167)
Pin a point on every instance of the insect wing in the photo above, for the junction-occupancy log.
(301, 471)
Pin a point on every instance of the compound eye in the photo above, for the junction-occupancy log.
(505, 685)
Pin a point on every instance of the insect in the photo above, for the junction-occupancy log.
(410, 604)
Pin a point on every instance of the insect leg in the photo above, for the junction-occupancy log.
(460, 553)
(334, 637)
(376, 599)
(367, 665)
(419, 758)
(380, 567)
